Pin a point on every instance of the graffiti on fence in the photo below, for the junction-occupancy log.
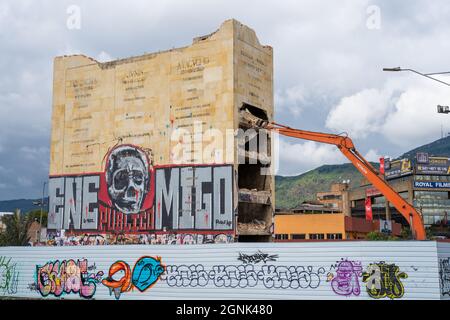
(257, 257)
(444, 276)
(127, 238)
(384, 280)
(345, 282)
(146, 272)
(67, 276)
(9, 277)
(243, 276)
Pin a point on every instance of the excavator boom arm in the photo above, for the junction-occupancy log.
(346, 146)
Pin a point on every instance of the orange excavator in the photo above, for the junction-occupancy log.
(346, 146)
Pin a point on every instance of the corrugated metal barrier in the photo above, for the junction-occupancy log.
(318, 270)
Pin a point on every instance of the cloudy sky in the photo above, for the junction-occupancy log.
(328, 60)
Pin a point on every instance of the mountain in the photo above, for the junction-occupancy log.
(439, 147)
(292, 191)
(25, 205)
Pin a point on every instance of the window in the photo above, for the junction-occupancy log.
(298, 236)
(316, 236)
(334, 236)
(282, 236)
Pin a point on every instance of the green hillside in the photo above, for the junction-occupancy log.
(292, 191)
(439, 147)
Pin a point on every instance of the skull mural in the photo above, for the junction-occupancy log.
(127, 178)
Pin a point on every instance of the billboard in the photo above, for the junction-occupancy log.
(132, 196)
(432, 165)
(432, 184)
(398, 168)
(386, 226)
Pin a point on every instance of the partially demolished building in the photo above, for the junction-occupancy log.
(154, 148)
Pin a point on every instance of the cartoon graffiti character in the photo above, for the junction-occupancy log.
(146, 273)
(384, 280)
(221, 238)
(128, 178)
(121, 285)
(346, 282)
(188, 239)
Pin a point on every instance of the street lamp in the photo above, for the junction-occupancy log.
(443, 109)
(440, 109)
(42, 205)
(426, 75)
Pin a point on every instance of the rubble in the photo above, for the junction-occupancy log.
(254, 196)
(248, 120)
(254, 227)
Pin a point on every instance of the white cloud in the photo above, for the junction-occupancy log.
(296, 158)
(361, 113)
(414, 120)
(291, 100)
(103, 57)
(403, 111)
(372, 155)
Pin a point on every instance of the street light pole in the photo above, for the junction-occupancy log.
(42, 206)
(426, 75)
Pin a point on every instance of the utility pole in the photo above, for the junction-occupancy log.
(42, 208)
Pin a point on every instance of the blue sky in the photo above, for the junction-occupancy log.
(328, 57)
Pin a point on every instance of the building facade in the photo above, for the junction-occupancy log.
(424, 181)
(336, 198)
(145, 147)
(323, 222)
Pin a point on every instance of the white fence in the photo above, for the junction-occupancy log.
(317, 270)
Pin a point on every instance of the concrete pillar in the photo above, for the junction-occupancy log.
(388, 211)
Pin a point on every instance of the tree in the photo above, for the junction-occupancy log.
(35, 215)
(378, 236)
(16, 232)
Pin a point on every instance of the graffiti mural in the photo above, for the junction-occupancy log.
(257, 257)
(128, 176)
(67, 276)
(346, 282)
(125, 238)
(9, 277)
(145, 274)
(444, 276)
(133, 196)
(243, 276)
(384, 280)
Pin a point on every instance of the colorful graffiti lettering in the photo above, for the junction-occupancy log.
(127, 238)
(9, 277)
(242, 276)
(345, 282)
(67, 276)
(145, 274)
(444, 276)
(384, 280)
(133, 196)
(257, 257)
